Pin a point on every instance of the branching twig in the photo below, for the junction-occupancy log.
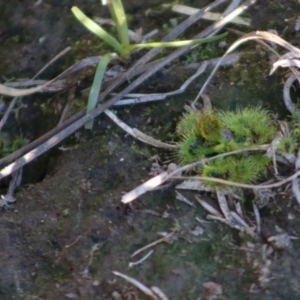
(286, 95)
(154, 292)
(165, 239)
(159, 179)
(138, 134)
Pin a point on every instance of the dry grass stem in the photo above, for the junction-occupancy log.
(131, 264)
(161, 178)
(165, 239)
(154, 293)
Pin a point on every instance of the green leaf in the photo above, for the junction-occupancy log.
(119, 17)
(178, 43)
(97, 30)
(96, 86)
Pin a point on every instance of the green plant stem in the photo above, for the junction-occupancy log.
(96, 86)
(117, 12)
(97, 30)
(177, 44)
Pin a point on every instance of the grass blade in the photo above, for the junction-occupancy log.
(96, 86)
(118, 14)
(97, 30)
(178, 43)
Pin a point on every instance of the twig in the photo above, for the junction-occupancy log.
(222, 22)
(70, 99)
(286, 95)
(131, 264)
(257, 218)
(7, 112)
(165, 239)
(243, 185)
(183, 9)
(224, 206)
(208, 207)
(6, 90)
(143, 98)
(154, 292)
(22, 151)
(55, 58)
(7, 200)
(295, 181)
(241, 222)
(138, 134)
(231, 7)
(13, 102)
(54, 87)
(183, 199)
(74, 242)
(159, 179)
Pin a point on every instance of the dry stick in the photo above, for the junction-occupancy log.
(55, 86)
(222, 22)
(287, 86)
(159, 179)
(74, 68)
(80, 115)
(71, 96)
(131, 264)
(17, 175)
(143, 98)
(13, 102)
(165, 239)
(286, 95)
(295, 181)
(243, 185)
(233, 5)
(55, 58)
(138, 134)
(154, 292)
(252, 36)
(6, 90)
(22, 151)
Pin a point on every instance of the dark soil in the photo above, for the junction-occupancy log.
(66, 234)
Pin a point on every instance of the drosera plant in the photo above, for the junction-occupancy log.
(210, 132)
(122, 45)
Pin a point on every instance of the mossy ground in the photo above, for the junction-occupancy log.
(78, 205)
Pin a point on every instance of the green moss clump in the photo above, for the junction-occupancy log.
(250, 126)
(209, 132)
(238, 169)
(288, 144)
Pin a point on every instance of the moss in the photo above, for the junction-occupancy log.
(238, 169)
(211, 132)
(288, 144)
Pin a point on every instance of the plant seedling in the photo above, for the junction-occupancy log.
(122, 47)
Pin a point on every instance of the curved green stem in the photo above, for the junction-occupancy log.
(117, 12)
(97, 30)
(178, 43)
(96, 86)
